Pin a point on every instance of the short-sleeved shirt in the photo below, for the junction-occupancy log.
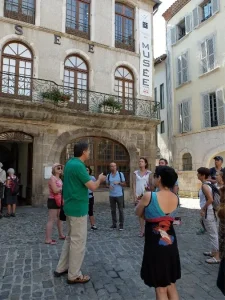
(117, 190)
(90, 193)
(213, 172)
(75, 193)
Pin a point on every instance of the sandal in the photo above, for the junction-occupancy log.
(53, 242)
(141, 234)
(212, 261)
(208, 254)
(62, 237)
(81, 279)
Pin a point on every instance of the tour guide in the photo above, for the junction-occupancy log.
(75, 193)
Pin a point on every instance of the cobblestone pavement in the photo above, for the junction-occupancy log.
(113, 260)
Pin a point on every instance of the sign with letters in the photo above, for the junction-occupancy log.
(146, 59)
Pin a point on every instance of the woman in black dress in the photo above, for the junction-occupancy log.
(161, 262)
(11, 192)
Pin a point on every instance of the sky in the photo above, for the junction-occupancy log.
(159, 28)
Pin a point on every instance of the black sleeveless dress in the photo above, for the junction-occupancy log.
(161, 261)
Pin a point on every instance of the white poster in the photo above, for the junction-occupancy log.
(146, 59)
(47, 172)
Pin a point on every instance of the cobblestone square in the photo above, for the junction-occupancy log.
(113, 259)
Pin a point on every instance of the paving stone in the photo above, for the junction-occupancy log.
(111, 288)
(112, 274)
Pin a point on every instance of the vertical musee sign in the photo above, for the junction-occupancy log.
(145, 32)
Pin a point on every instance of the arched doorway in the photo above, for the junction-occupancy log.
(103, 152)
(16, 151)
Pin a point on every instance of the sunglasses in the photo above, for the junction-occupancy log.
(59, 168)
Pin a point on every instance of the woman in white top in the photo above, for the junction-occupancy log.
(141, 184)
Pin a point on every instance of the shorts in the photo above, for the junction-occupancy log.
(91, 206)
(52, 204)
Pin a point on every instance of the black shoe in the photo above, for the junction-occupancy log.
(113, 227)
(94, 227)
(121, 228)
(13, 215)
(7, 215)
(57, 274)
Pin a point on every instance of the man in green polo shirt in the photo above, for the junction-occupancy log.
(75, 193)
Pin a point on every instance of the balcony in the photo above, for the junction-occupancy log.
(20, 12)
(125, 42)
(79, 29)
(45, 92)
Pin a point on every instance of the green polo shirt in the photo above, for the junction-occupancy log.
(75, 193)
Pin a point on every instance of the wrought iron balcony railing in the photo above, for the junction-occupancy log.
(78, 29)
(48, 92)
(20, 12)
(124, 42)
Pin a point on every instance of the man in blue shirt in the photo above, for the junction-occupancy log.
(116, 181)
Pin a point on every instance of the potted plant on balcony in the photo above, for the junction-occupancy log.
(110, 106)
(56, 96)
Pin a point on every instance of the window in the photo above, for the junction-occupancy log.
(124, 87)
(162, 127)
(22, 10)
(208, 55)
(178, 31)
(213, 109)
(17, 62)
(76, 80)
(187, 162)
(103, 152)
(77, 17)
(206, 10)
(181, 29)
(184, 116)
(155, 94)
(182, 69)
(162, 104)
(124, 27)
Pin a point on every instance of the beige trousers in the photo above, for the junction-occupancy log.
(73, 250)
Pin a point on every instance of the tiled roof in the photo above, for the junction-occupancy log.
(159, 59)
(174, 9)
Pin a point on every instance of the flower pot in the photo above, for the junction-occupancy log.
(62, 103)
(109, 109)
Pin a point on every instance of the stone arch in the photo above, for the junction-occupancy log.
(212, 153)
(132, 69)
(180, 162)
(22, 39)
(67, 137)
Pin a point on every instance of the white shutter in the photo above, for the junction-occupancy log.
(220, 106)
(210, 47)
(173, 35)
(206, 111)
(188, 23)
(215, 6)
(195, 17)
(204, 65)
(179, 71)
(186, 116)
(180, 118)
(184, 61)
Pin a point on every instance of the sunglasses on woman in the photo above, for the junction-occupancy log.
(59, 168)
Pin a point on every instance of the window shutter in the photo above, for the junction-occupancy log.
(180, 118)
(173, 35)
(186, 116)
(184, 61)
(179, 71)
(204, 67)
(220, 106)
(215, 6)
(206, 111)
(188, 23)
(210, 44)
(195, 17)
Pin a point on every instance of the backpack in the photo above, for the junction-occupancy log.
(14, 186)
(216, 196)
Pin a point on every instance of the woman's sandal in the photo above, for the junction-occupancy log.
(141, 234)
(81, 279)
(208, 254)
(212, 261)
(53, 242)
(62, 237)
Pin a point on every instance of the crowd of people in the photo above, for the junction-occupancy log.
(156, 203)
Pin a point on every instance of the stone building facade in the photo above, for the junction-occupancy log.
(61, 65)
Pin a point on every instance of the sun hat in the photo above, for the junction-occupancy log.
(56, 165)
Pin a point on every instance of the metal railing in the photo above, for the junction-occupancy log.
(19, 12)
(77, 28)
(124, 42)
(48, 92)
